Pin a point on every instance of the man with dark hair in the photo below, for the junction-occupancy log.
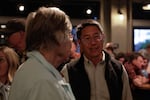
(15, 33)
(96, 75)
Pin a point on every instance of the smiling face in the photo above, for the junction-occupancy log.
(91, 41)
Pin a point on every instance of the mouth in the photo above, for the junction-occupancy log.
(93, 49)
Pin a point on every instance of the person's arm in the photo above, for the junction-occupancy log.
(126, 93)
(140, 81)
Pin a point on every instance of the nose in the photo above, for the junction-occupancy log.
(92, 40)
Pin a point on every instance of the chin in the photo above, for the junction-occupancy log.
(94, 55)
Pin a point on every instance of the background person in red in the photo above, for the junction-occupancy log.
(138, 80)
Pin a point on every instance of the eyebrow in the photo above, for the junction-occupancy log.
(94, 33)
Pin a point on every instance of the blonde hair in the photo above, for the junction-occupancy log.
(12, 60)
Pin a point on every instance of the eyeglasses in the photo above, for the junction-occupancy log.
(95, 37)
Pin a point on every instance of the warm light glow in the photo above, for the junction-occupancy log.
(146, 7)
(88, 11)
(21, 8)
(3, 26)
(2, 36)
(121, 16)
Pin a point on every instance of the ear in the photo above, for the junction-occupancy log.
(103, 37)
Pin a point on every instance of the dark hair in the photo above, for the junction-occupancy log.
(85, 23)
(133, 55)
(14, 25)
(120, 55)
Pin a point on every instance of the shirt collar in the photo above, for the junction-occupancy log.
(40, 58)
(88, 61)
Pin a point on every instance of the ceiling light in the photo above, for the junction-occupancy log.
(2, 36)
(3, 26)
(21, 8)
(146, 7)
(88, 11)
(121, 16)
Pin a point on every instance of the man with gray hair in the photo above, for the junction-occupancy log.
(48, 45)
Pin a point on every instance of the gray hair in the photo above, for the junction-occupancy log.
(47, 28)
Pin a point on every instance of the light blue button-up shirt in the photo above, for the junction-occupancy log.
(36, 79)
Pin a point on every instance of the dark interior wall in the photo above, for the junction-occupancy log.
(139, 13)
(74, 8)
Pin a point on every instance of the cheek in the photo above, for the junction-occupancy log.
(101, 44)
(65, 50)
(84, 45)
(12, 41)
(3, 69)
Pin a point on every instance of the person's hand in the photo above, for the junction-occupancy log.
(140, 80)
(137, 81)
(144, 80)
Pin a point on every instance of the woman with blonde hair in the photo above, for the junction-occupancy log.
(9, 62)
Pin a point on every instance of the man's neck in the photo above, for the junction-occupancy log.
(95, 60)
